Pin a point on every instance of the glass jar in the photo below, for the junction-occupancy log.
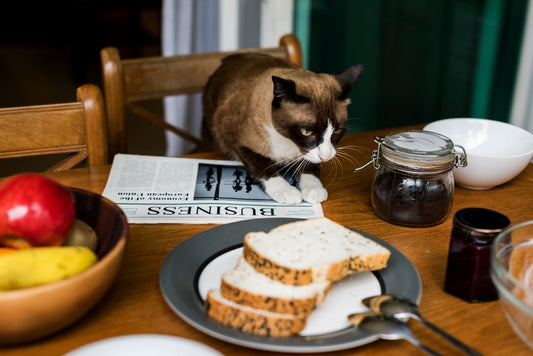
(413, 184)
(468, 268)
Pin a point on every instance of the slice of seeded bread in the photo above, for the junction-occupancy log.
(252, 320)
(244, 285)
(313, 250)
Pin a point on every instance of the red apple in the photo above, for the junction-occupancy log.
(34, 211)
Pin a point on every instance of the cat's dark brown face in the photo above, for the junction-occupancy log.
(311, 113)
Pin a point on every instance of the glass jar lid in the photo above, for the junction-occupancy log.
(480, 224)
(418, 149)
(419, 143)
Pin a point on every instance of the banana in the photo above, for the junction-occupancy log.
(82, 234)
(40, 265)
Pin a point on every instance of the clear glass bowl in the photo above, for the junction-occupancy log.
(512, 274)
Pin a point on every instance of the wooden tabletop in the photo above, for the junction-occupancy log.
(134, 303)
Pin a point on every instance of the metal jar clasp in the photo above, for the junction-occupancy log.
(460, 157)
(374, 159)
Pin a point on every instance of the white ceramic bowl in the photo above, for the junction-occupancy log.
(496, 151)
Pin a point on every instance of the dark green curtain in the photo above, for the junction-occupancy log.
(424, 59)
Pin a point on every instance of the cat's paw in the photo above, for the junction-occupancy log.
(290, 195)
(312, 189)
(314, 195)
(281, 191)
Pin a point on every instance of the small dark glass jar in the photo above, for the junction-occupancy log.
(468, 269)
(413, 184)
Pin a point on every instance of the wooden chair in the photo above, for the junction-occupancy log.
(76, 129)
(130, 81)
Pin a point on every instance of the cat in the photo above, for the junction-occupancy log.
(276, 117)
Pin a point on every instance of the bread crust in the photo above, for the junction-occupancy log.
(330, 272)
(368, 263)
(295, 306)
(253, 320)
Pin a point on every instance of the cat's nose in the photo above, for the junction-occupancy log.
(326, 156)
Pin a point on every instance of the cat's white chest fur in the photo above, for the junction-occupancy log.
(281, 147)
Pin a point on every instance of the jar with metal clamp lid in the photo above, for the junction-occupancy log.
(413, 184)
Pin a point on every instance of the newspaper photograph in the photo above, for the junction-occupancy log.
(155, 189)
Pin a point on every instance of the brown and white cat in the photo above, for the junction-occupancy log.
(277, 117)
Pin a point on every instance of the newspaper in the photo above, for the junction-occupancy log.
(153, 189)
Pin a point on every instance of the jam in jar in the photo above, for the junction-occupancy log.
(413, 184)
(468, 268)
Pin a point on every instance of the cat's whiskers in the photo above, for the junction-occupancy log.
(287, 164)
(357, 149)
(300, 168)
(341, 158)
(335, 163)
(345, 153)
(282, 161)
(296, 167)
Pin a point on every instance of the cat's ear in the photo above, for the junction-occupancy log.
(285, 89)
(348, 78)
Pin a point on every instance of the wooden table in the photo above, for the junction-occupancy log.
(134, 303)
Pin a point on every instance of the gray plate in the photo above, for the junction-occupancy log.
(181, 269)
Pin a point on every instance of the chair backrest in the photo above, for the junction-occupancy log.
(77, 129)
(127, 81)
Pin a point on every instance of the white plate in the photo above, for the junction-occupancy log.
(196, 265)
(144, 344)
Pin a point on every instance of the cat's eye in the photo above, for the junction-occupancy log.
(306, 132)
(337, 131)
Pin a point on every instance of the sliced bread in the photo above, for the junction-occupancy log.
(313, 250)
(252, 320)
(245, 285)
